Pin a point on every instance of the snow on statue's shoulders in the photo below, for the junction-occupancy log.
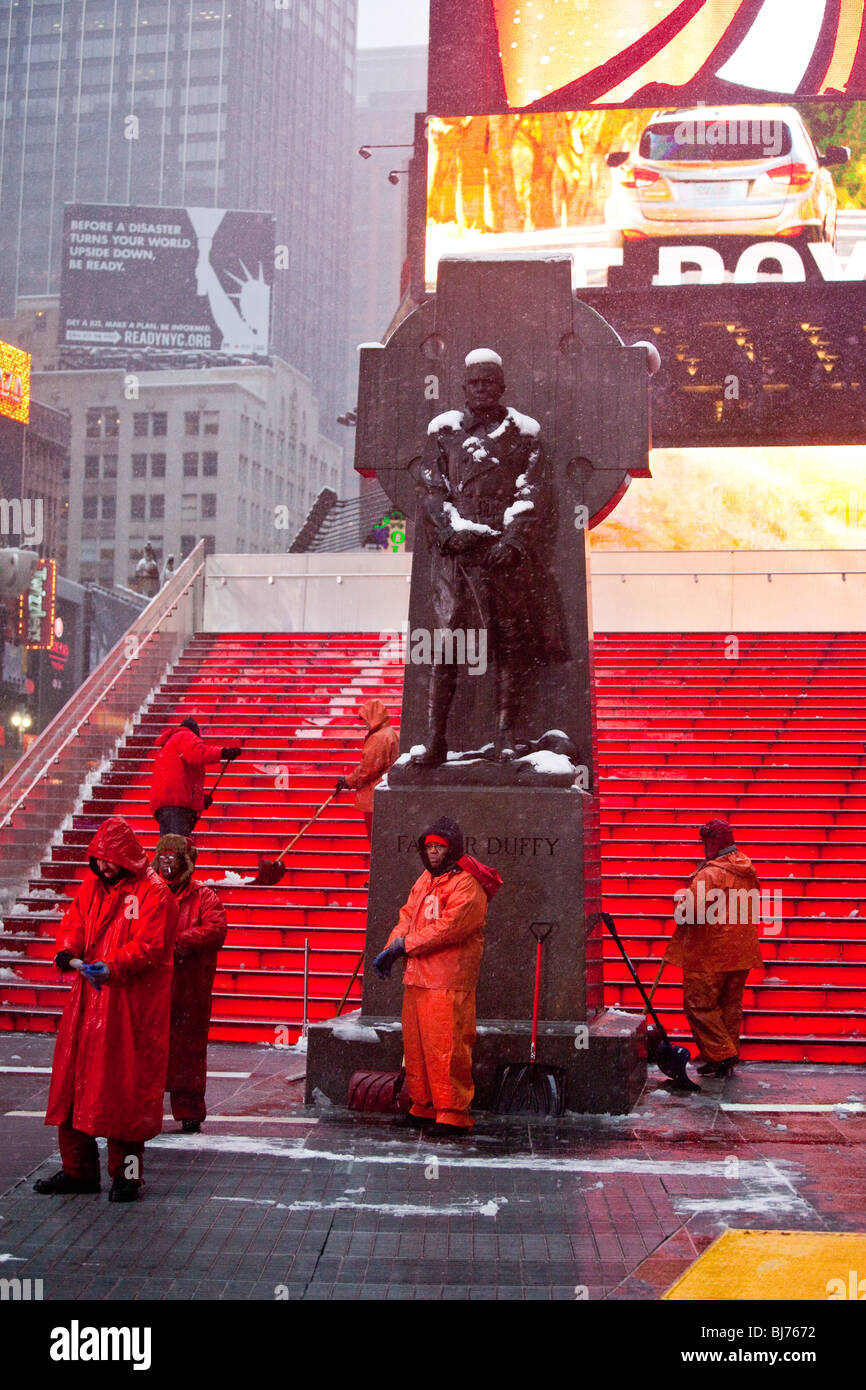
(524, 424)
(448, 420)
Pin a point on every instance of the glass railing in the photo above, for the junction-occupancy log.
(43, 789)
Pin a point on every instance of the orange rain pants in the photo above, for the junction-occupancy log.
(438, 1034)
(713, 1005)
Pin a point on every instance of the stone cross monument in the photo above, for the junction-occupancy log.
(507, 418)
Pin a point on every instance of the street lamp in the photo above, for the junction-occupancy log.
(366, 151)
(22, 721)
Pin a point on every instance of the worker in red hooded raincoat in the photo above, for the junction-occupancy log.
(177, 796)
(381, 747)
(440, 932)
(201, 931)
(111, 1055)
(716, 945)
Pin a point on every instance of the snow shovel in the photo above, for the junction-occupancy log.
(670, 1058)
(527, 1087)
(272, 870)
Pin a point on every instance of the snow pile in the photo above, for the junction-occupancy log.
(460, 523)
(524, 424)
(448, 420)
(548, 762)
(7, 974)
(231, 880)
(348, 1029)
(516, 509)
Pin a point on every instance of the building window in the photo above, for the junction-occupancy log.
(91, 466)
(109, 508)
(157, 507)
(91, 507)
(209, 465)
(191, 422)
(139, 424)
(139, 465)
(112, 422)
(159, 423)
(211, 422)
(93, 426)
(190, 465)
(187, 545)
(188, 506)
(208, 504)
(109, 465)
(157, 465)
(136, 506)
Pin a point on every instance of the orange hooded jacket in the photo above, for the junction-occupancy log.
(442, 922)
(381, 747)
(720, 928)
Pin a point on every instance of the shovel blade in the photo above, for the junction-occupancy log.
(672, 1061)
(270, 873)
(527, 1088)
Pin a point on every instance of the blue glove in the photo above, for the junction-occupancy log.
(385, 959)
(96, 974)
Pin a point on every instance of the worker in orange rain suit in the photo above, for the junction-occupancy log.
(381, 747)
(440, 932)
(111, 1055)
(201, 930)
(716, 945)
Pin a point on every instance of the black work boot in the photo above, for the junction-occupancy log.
(443, 681)
(64, 1184)
(410, 1121)
(123, 1190)
(190, 1126)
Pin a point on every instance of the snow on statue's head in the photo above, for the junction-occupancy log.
(484, 379)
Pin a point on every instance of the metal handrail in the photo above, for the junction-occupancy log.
(66, 725)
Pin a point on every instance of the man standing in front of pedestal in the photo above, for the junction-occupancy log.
(441, 933)
(490, 519)
(716, 945)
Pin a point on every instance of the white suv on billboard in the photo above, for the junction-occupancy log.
(705, 173)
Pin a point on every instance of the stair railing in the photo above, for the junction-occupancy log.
(43, 789)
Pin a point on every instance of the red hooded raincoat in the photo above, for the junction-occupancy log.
(111, 1056)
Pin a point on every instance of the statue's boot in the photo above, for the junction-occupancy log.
(443, 680)
(507, 707)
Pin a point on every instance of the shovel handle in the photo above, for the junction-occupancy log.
(304, 828)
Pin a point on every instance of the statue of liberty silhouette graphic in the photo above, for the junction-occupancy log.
(244, 325)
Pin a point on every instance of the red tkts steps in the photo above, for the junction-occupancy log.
(773, 739)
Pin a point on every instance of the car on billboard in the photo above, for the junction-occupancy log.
(710, 175)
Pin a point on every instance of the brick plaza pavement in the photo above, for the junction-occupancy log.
(274, 1200)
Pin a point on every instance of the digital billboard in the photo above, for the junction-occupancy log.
(500, 55)
(14, 383)
(807, 498)
(174, 280)
(656, 196)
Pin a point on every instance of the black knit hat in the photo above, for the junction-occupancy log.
(190, 723)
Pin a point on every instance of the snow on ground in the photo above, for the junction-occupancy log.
(230, 880)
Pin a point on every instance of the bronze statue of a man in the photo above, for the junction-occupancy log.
(490, 518)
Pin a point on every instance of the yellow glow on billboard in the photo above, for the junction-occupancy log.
(766, 498)
(14, 383)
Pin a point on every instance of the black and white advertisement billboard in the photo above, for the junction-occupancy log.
(166, 279)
